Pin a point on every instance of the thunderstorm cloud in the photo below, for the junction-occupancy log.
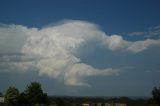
(55, 50)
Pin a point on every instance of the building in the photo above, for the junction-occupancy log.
(120, 104)
(115, 104)
(109, 104)
(1, 99)
(87, 104)
(103, 104)
(99, 104)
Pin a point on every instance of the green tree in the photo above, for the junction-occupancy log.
(34, 93)
(156, 95)
(22, 99)
(11, 96)
(1, 94)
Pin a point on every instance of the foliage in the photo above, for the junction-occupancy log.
(64, 102)
(22, 99)
(34, 93)
(156, 95)
(34, 96)
(1, 94)
(11, 96)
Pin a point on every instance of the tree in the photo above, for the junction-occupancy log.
(34, 93)
(22, 99)
(11, 96)
(156, 95)
(1, 94)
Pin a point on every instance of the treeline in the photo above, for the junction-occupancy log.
(33, 95)
(77, 101)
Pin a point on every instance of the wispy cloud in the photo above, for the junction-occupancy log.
(137, 33)
(19, 57)
(152, 32)
(55, 50)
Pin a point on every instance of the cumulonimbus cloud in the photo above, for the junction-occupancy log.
(56, 49)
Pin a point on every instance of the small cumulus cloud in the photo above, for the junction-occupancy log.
(55, 50)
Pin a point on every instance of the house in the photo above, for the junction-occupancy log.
(115, 104)
(109, 104)
(1, 99)
(103, 104)
(87, 104)
(120, 104)
(99, 104)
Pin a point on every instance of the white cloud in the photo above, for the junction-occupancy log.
(80, 70)
(136, 33)
(54, 50)
(15, 66)
(152, 32)
(139, 46)
(115, 42)
(12, 37)
(59, 45)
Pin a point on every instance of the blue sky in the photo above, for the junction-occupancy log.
(81, 47)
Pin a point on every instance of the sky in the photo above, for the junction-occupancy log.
(81, 47)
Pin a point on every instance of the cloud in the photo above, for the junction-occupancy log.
(139, 46)
(79, 71)
(55, 51)
(137, 33)
(16, 66)
(116, 42)
(152, 33)
(59, 45)
(18, 57)
(12, 37)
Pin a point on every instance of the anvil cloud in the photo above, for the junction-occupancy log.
(55, 50)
